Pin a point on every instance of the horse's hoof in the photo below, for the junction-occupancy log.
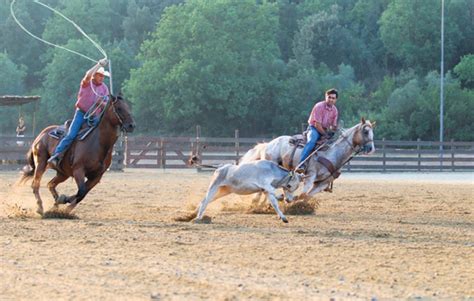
(204, 220)
(62, 199)
(285, 220)
(40, 211)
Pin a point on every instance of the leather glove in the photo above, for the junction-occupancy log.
(103, 62)
(330, 134)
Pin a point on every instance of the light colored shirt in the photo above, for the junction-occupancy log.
(86, 97)
(324, 114)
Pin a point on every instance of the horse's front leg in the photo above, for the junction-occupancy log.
(318, 188)
(82, 187)
(307, 187)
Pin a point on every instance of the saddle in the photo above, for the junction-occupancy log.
(60, 131)
(300, 140)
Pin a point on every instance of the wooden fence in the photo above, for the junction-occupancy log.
(172, 152)
(13, 152)
(168, 152)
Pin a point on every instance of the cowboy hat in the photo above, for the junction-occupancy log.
(102, 71)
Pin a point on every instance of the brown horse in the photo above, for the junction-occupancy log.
(88, 158)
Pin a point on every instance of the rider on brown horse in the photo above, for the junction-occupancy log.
(322, 121)
(92, 91)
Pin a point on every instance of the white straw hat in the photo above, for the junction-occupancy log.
(102, 71)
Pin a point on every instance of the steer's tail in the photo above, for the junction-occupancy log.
(194, 160)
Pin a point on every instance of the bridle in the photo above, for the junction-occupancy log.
(355, 151)
(358, 148)
(114, 100)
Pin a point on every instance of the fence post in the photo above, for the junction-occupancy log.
(117, 163)
(303, 127)
(162, 153)
(127, 152)
(198, 146)
(452, 155)
(237, 146)
(158, 158)
(384, 155)
(418, 149)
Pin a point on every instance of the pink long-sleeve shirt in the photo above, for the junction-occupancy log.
(324, 114)
(86, 97)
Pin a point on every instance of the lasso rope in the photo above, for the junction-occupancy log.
(55, 45)
(94, 108)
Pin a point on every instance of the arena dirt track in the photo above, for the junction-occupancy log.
(372, 238)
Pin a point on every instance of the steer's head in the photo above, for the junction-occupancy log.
(293, 182)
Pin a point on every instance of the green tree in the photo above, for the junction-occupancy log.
(22, 48)
(465, 70)
(11, 83)
(410, 31)
(412, 110)
(324, 37)
(138, 23)
(207, 64)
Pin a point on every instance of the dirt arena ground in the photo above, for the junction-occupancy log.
(378, 236)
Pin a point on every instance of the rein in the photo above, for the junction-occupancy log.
(110, 102)
(355, 152)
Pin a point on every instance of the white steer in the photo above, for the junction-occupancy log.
(247, 178)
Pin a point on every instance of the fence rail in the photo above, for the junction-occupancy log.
(174, 152)
(13, 152)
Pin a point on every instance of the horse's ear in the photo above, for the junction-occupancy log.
(373, 124)
(362, 120)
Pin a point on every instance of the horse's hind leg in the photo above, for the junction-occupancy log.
(39, 171)
(59, 178)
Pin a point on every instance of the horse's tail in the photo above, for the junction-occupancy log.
(28, 170)
(256, 153)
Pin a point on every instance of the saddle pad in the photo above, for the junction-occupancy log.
(299, 140)
(60, 131)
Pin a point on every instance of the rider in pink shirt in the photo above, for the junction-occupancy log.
(322, 120)
(92, 90)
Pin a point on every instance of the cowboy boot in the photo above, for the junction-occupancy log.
(55, 159)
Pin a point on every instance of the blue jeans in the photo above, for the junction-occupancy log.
(74, 128)
(313, 137)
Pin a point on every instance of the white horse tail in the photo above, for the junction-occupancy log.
(254, 154)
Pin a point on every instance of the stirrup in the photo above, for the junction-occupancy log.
(54, 160)
(301, 169)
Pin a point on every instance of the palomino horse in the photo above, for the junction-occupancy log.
(88, 158)
(359, 138)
